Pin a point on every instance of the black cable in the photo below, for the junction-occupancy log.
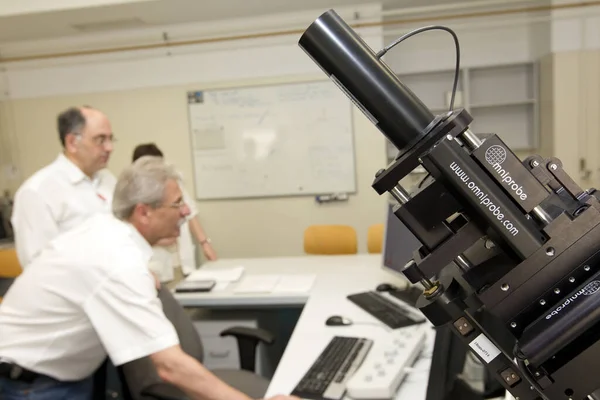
(525, 370)
(423, 180)
(381, 53)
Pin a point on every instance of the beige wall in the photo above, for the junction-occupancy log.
(239, 228)
(569, 103)
(569, 109)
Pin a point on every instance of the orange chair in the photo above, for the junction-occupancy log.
(375, 238)
(9, 264)
(330, 240)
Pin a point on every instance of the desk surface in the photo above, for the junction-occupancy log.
(326, 268)
(328, 297)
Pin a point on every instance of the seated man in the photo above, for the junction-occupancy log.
(90, 293)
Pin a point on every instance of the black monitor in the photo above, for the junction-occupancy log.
(399, 243)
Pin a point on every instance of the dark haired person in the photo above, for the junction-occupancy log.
(175, 258)
(73, 187)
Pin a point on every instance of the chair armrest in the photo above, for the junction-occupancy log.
(164, 391)
(248, 339)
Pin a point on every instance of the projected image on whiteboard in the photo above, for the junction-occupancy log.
(275, 140)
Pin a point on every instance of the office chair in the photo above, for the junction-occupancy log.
(140, 381)
(375, 238)
(330, 239)
(10, 268)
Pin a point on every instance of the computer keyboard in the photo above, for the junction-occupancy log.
(382, 373)
(327, 376)
(385, 310)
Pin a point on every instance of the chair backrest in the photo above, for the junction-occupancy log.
(9, 263)
(330, 239)
(375, 238)
(141, 373)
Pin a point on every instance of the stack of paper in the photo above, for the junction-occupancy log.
(257, 284)
(295, 283)
(217, 274)
(267, 283)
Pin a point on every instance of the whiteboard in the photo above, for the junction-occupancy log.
(275, 140)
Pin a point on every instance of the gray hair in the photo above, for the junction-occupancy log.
(142, 182)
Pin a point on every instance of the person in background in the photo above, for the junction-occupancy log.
(66, 192)
(94, 296)
(175, 258)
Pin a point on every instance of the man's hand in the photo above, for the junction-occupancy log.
(156, 280)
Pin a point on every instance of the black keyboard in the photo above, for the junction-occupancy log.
(383, 309)
(327, 377)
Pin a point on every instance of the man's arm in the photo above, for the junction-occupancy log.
(33, 225)
(181, 370)
(200, 235)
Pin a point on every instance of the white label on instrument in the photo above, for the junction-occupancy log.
(485, 348)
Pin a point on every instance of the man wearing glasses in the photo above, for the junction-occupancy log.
(75, 186)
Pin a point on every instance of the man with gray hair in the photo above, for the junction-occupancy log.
(94, 296)
(70, 189)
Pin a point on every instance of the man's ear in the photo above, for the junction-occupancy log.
(142, 211)
(71, 144)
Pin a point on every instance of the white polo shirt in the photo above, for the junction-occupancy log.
(88, 294)
(55, 199)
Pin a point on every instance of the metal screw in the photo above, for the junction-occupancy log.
(449, 137)
(489, 244)
(553, 167)
(505, 287)
(537, 374)
(534, 163)
(571, 279)
(550, 251)
(557, 290)
(542, 302)
(513, 324)
(586, 268)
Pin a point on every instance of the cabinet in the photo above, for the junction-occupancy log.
(502, 100)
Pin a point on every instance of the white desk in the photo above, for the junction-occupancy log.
(324, 267)
(311, 335)
(336, 277)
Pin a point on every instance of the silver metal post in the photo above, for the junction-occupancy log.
(400, 194)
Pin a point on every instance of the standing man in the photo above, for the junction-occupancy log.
(75, 186)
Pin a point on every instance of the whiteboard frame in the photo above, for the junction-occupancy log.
(270, 82)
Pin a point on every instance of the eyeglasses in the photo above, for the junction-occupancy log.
(101, 140)
(178, 204)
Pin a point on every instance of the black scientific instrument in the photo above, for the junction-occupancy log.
(509, 254)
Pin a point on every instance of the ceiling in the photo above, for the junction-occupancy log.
(154, 13)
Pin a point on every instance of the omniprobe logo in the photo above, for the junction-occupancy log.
(484, 199)
(495, 155)
(591, 288)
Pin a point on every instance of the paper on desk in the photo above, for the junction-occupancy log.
(296, 283)
(257, 284)
(217, 274)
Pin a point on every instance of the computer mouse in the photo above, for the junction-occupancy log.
(338, 320)
(385, 287)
